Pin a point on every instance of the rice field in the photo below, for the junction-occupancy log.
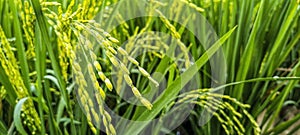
(178, 67)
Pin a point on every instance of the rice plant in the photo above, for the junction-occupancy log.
(149, 67)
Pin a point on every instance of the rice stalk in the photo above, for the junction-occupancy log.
(28, 19)
(213, 103)
(10, 66)
(111, 50)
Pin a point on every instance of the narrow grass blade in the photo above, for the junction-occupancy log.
(11, 95)
(20, 46)
(283, 126)
(175, 87)
(44, 32)
(3, 128)
(247, 55)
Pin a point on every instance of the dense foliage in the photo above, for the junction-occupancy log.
(98, 66)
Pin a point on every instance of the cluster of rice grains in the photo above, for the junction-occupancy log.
(222, 107)
(175, 33)
(86, 99)
(28, 18)
(9, 64)
(76, 24)
(62, 22)
(85, 55)
(65, 28)
(109, 44)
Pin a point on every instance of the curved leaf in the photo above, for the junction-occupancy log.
(17, 116)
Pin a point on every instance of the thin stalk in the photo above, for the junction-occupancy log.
(20, 46)
(46, 39)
